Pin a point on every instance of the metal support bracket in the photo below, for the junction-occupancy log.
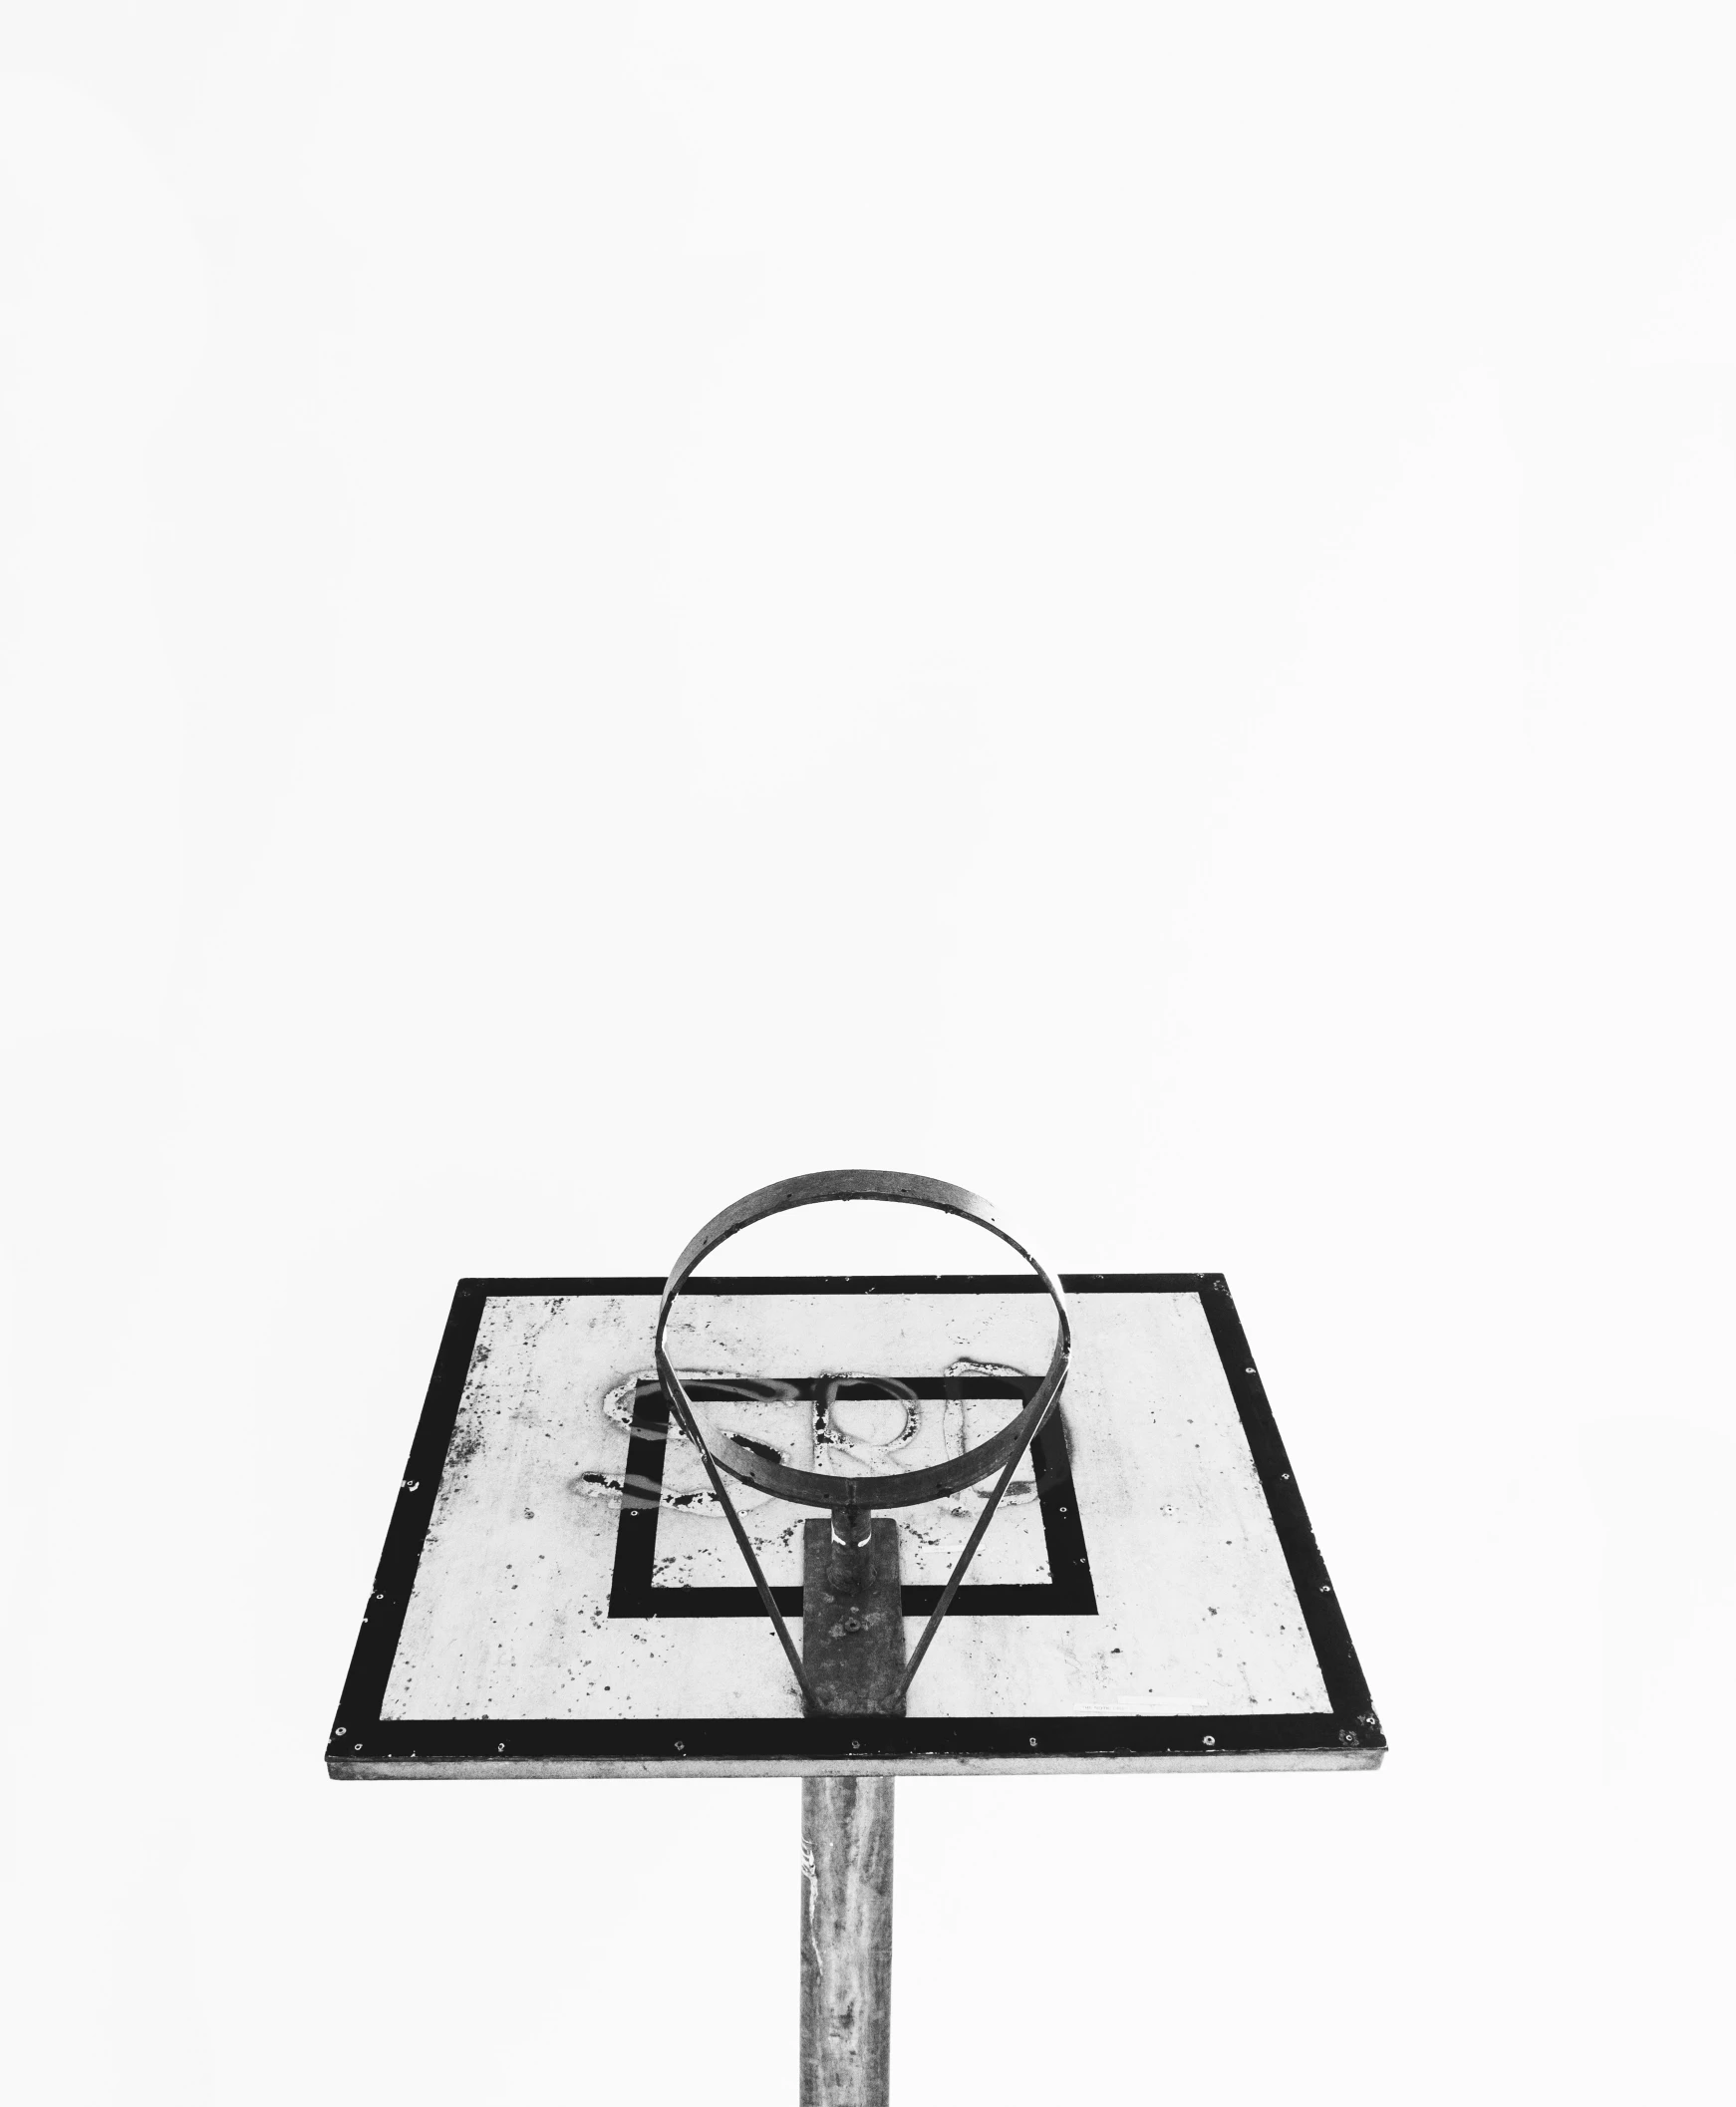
(852, 1615)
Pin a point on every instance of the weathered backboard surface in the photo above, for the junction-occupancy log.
(560, 1597)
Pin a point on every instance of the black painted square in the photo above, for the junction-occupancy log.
(1067, 1593)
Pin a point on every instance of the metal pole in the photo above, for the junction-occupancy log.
(846, 1942)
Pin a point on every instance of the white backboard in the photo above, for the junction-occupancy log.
(560, 1594)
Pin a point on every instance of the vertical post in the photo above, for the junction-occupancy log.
(846, 1942)
(852, 1648)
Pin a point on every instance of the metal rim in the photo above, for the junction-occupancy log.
(808, 1488)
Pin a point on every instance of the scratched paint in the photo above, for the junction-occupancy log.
(509, 1616)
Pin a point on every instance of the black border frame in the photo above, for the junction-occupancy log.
(363, 1744)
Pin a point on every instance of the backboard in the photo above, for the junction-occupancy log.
(560, 1596)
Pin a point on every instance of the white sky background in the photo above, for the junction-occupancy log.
(1128, 607)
